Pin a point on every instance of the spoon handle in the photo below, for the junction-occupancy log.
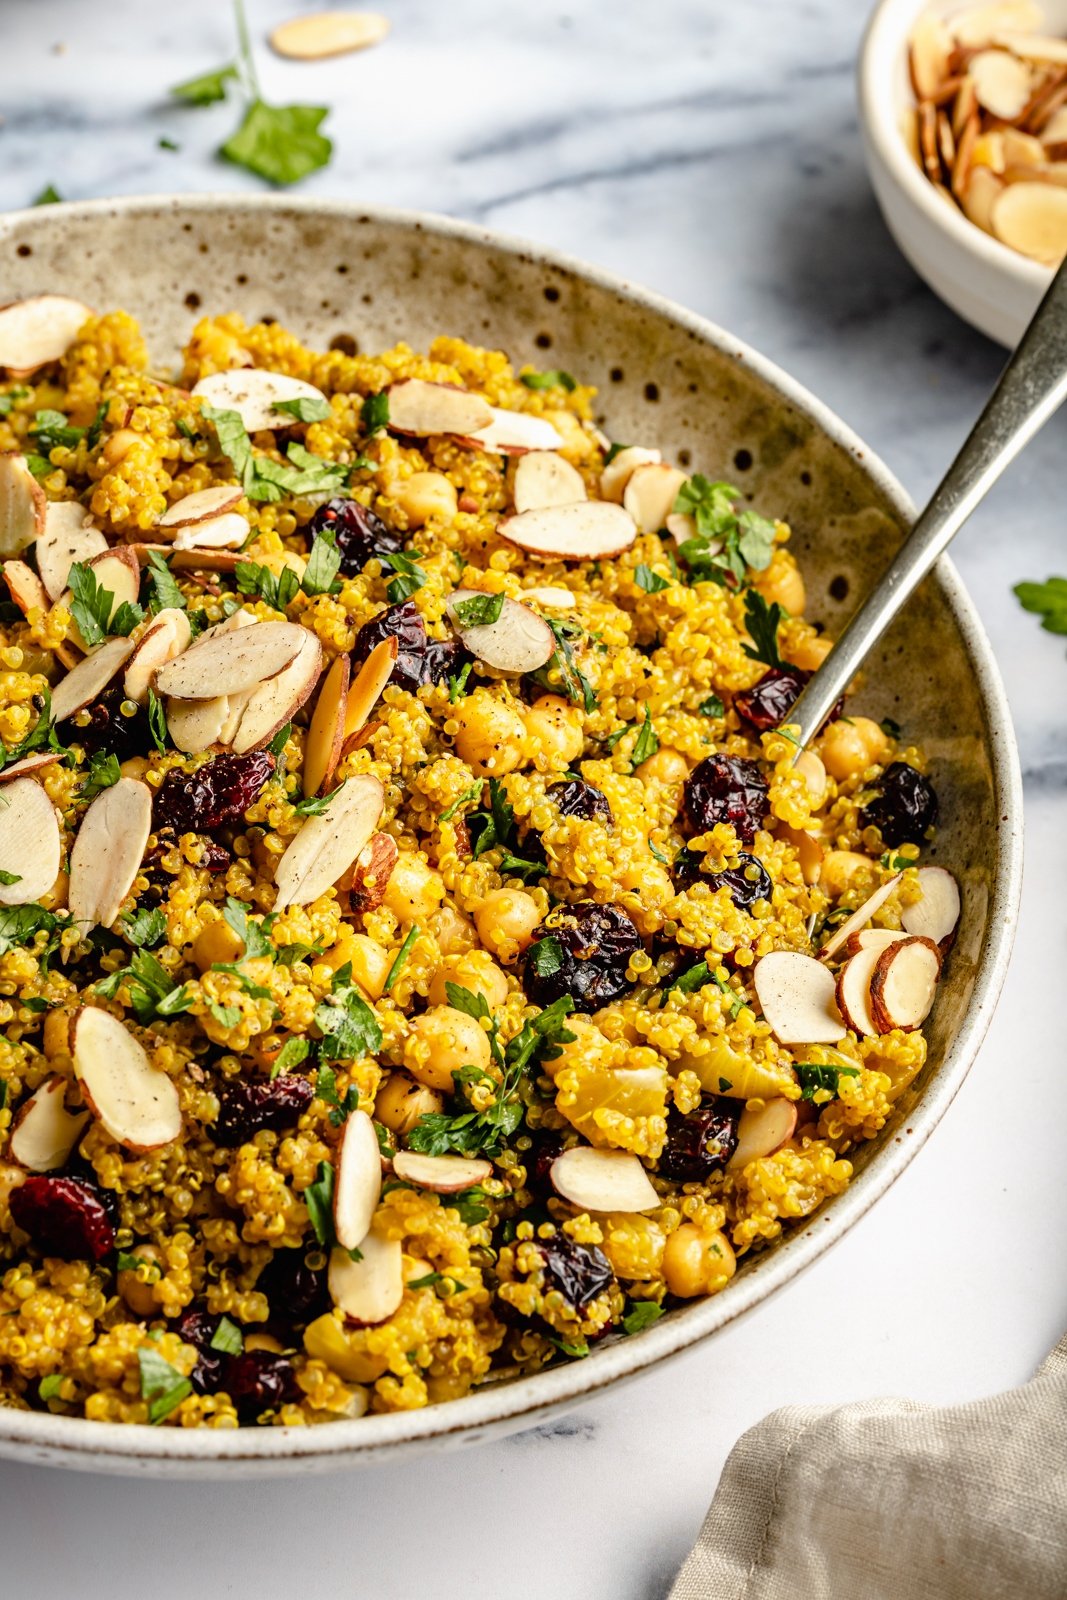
(1031, 387)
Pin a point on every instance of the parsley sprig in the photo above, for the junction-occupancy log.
(762, 621)
(726, 543)
(93, 607)
(571, 678)
(264, 479)
(153, 992)
(348, 1024)
(1047, 600)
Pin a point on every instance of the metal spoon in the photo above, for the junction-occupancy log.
(1032, 386)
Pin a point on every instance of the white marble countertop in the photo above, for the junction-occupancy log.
(714, 156)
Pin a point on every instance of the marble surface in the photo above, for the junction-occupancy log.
(714, 156)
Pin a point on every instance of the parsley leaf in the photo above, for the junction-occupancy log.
(409, 577)
(646, 744)
(468, 794)
(49, 1387)
(49, 196)
(401, 956)
(42, 736)
(280, 143)
(11, 399)
(348, 1024)
(480, 611)
(161, 1384)
(374, 413)
(318, 1197)
(18, 924)
(291, 1054)
(457, 685)
(575, 684)
(762, 622)
(91, 605)
(265, 479)
(278, 593)
(1047, 600)
(712, 707)
(207, 89)
(52, 428)
(650, 581)
(153, 992)
(546, 955)
(251, 934)
(643, 1314)
(813, 1077)
(316, 804)
(725, 543)
(686, 982)
(8, 878)
(323, 565)
(305, 408)
(143, 929)
(553, 379)
(165, 593)
(227, 1337)
(157, 721)
(103, 772)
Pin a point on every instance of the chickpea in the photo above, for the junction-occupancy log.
(506, 920)
(851, 746)
(425, 495)
(648, 878)
(135, 767)
(476, 971)
(554, 731)
(119, 446)
(783, 583)
(414, 890)
(695, 1262)
(139, 1295)
(217, 941)
(810, 653)
(56, 1037)
(666, 766)
(491, 737)
(11, 1178)
(839, 867)
(440, 1042)
(401, 1102)
(370, 963)
(453, 931)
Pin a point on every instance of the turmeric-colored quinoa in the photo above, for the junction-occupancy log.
(464, 990)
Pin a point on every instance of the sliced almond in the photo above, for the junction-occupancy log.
(854, 992)
(236, 706)
(585, 532)
(1032, 218)
(328, 33)
(978, 25)
(931, 155)
(419, 409)
(30, 842)
(518, 641)
(514, 433)
(253, 393)
(873, 939)
(68, 536)
(164, 641)
(763, 1127)
(329, 843)
(228, 532)
(107, 853)
(440, 1174)
(195, 725)
(964, 161)
(231, 662)
(326, 733)
(946, 142)
(650, 495)
(277, 701)
(202, 506)
(810, 852)
(541, 478)
(87, 681)
(617, 474)
(979, 197)
(602, 1180)
(1037, 47)
(1002, 83)
(367, 686)
(27, 590)
(1022, 149)
(796, 996)
(28, 764)
(904, 983)
(682, 527)
(369, 1290)
(118, 573)
(859, 918)
(44, 1132)
(934, 916)
(136, 1103)
(39, 330)
(22, 503)
(1055, 129)
(551, 597)
(928, 55)
(965, 110)
(810, 767)
(359, 1181)
(193, 560)
(371, 872)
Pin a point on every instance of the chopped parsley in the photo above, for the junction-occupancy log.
(555, 378)
(720, 978)
(613, 451)
(157, 721)
(642, 1314)
(291, 1054)
(11, 399)
(814, 1078)
(19, 924)
(546, 956)
(227, 1337)
(712, 707)
(575, 1348)
(104, 771)
(93, 608)
(401, 956)
(762, 622)
(305, 408)
(650, 581)
(469, 1205)
(575, 684)
(264, 479)
(316, 804)
(409, 576)
(348, 1025)
(251, 934)
(161, 1384)
(465, 798)
(457, 685)
(687, 982)
(326, 1089)
(277, 592)
(49, 196)
(726, 543)
(480, 611)
(49, 1387)
(374, 413)
(318, 1197)
(496, 829)
(646, 744)
(165, 594)
(8, 878)
(42, 736)
(143, 929)
(323, 565)
(153, 992)
(890, 728)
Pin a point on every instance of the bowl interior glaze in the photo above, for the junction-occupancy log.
(665, 377)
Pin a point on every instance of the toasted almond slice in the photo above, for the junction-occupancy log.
(371, 872)
(253, 392)
(682, 527)
(763, 1127)
(136, 1103)
(859, 919)
(22, 503)
(359, 1181)
(979, 197)
(978, 25)
(236, 706)
(328, 33)
(118, 572)
(30, 842)
(1002, 83)
(514, 433)
(227, 532)
(1022, 149)
(796, 996)
(1055, 130)
(368, 684)
(89, 678)
(928, 55)
(602, 1180)
(28, 764)
(39, 330)
(811, 769)
(810, 851)
(931, 155)
(369, 1290)
(164, 641)
(934, 916)
(419, 409)
(963, 165)
(965, 110)
(1032, 218)
(440, 1174)
(277, 701)
(1046, 102)
(854, 992)
(873, 939)
(231, 662)
(1039, 47)
(550, 596)
(946, 142)
(616, 475)
(326, 734)
(904, 983)
(107, 853)
(202, 506)
(541, 478)
(68, 536)
(195, 725)
(582, 532)
(329, 843)
(195, 560)
(27, 590)
(44, 1132)
(518, 641)
(650, 495)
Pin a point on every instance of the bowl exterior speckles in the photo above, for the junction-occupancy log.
(666, 377)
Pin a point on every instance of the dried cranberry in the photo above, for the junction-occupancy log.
(295, 1293)
(747, 882)
(579, 1271)
(547, 1146)
(576, 798)
(905, 809)
(362, 536)
(257, 1379)
(700, 1142)
(198, 1328)
(594, 944)
(108, 731)
(63, 1217)
(247, 1108)
(220, 790)
(214, 857)
(726, 789)
(419, 659)
(769, 701)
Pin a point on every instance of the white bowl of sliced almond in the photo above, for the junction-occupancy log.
(964, 115)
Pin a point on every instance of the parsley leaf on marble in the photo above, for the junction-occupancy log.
(208, 88)
(1047, 600)
(280, 143)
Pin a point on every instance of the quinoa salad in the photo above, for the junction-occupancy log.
(425, 951)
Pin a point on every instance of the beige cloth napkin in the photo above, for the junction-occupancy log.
(892, 1500)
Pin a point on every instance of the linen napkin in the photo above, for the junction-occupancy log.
(893, 1500)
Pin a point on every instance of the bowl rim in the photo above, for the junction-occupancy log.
(496, 1408)
(884, 41)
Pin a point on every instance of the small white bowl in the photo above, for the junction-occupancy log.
(993, 288)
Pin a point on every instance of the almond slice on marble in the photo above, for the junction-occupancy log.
(904, 983)
(369, 1290)
(328, 33)
(252, 392)
(650, 495)
(195, 725)
(204, 505)
(440, 1174)
(550, 596)
(859, 919)
(85, 682)
(327, 845)
(228, 532)
(30, 843)
(763, 1127)
(359, 1181)
(978, 25)
(518, 641)
(934, 916)
(28, 764)
(928, 56)
(118, 573)
(619, 470)
(277, 701)
(164, 641)
(602, 1180)
(514, 433)
(326, 733)
(231, 662)
(366, 687)
(585, 532)
(192, 560)
(541, 478)
(371, 872)
(107, 853)
(39, 330)
(23, 506)
(796, 996)
(419, 409)
(854, 992)
(136, 1103)
(1032, 218)
(44, 1132)
(68, 536)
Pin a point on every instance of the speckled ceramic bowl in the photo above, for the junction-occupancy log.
(666, 377)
